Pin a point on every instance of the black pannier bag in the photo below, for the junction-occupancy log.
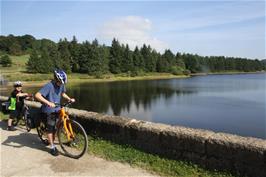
(4, 107)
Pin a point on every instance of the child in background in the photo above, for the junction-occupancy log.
(16, 104)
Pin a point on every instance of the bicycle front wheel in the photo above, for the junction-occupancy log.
(77, 144)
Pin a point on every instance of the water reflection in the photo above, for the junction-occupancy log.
(120, 96)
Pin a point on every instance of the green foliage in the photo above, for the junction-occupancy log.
(5, 61)
(166, 62)
(127, 60)
(40, 62)
(74, 49)
(196, 63)
(15, 49)
(115, 58)
(138, 60)
(64, 57)
(149, 58)
(16, 45)
(176, 70)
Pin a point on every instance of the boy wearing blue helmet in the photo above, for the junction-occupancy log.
(48, 95)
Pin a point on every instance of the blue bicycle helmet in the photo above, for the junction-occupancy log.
(61, 76)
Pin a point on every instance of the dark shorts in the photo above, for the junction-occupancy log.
(51, 121)
(15, 114)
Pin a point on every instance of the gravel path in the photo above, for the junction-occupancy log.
(22, 154)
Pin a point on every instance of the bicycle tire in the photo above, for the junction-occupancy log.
(41, 130)
(16, 120)
(27, 121)
(76, 147)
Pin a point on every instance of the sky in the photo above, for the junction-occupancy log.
(228, 28)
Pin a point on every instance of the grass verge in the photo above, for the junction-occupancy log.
(3, 116)
(150, 162)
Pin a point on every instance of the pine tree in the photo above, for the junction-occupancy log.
(179, 60)
(138, 61)
(83, 61)
(40, 62)
(64, 56)
(150, 63)
(115, 57)
(74, 49)
(127, 60)
(33, 62)
(45, 63)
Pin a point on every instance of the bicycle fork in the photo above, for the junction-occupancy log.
(68, 128)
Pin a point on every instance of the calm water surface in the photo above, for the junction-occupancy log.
(222, 103)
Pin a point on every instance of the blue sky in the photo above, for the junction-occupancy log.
(230, 28)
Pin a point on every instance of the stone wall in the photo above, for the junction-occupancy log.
(244, 156)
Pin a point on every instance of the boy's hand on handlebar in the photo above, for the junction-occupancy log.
(50, 104)
(71, 100)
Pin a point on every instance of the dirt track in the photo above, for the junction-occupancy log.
(22, 154)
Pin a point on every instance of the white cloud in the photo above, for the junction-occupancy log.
(131, 30)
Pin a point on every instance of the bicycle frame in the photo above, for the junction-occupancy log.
(67, 125)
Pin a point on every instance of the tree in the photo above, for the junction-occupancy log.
(127, 60)
(6, 61)
(74, 49)
(179, 60)
(150, 62)
(26, 42)
(166, 61)
(33, 62)
(15, 49)
(63, 61)
(138, 61)
(40, 62)
(94, 62)
(115, 57)
(191, 62)
(45, 63)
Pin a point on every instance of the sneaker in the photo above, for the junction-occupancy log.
(54, 152)
(11, 128)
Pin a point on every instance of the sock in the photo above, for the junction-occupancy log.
(52, 146)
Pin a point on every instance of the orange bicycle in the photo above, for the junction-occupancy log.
(71, 135)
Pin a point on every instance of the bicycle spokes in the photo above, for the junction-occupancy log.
(73, 139)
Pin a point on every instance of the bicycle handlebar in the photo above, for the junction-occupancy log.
(28, 97)
(63, 105)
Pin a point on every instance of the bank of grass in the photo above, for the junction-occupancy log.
(149, 162)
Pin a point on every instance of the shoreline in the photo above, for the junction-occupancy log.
(226, 73)
(110, 79)
(73, 79)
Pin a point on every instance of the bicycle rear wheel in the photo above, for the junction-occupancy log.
(28, 122)
(16, 121)
(76, 146)
(41, 130)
